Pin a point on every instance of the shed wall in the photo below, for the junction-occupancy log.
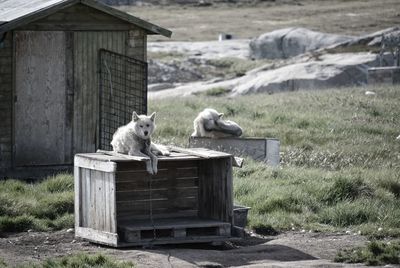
(6, 102)
(86, 79)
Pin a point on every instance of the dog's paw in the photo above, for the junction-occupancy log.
(149, 168)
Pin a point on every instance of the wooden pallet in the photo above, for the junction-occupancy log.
(173, 230)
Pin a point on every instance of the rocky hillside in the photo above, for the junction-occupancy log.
(283, 60)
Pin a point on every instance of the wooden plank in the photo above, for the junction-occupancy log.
(40, 105)
(69, 105)
(124, 156)
(85, 183)
(127, 217)
(78, 195)
(134, 195)
(112, 202)
(82, 161)
(256, 148)
(143, 206)
(74, 27)
(157, 183)
(174, 223)
(200, 152)
(97, 236)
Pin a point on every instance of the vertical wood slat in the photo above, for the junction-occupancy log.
(69, 113)
(215, 189)
(6, 97)
(78, 196)
(95, 199)
(86, 47)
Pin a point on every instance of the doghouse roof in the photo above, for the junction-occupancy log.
(15, 13)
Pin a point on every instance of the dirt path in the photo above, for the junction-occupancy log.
(285, 250)
(351, 17)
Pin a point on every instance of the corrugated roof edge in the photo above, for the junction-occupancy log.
(151, 28)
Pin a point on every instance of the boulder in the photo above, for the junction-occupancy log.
(236, 48)
(308, 72)
(289, 42)
(330, 70)
(173, 71)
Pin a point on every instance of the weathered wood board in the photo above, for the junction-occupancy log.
(40, 94)
(266, 150)
(189, 200)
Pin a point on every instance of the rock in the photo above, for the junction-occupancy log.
(289, 42)
(377, 40)
(373, 39)
(398, 137)
(237, 48)
(173, 71)
(70, 230)
(159, 86)
(330, 70)
(325, 71)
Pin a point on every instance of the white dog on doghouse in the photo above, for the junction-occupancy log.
(135, 139)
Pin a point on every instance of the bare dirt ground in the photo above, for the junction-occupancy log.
(292, 249)
(195, 23)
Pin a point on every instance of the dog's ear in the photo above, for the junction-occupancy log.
(153, 116)
(220, 115)
(135, 116)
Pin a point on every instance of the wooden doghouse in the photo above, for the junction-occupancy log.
(260, 149)
(71, 72)
(118, 203)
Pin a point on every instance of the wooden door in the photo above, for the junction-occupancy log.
(42, 129)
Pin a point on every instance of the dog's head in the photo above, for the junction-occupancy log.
(144, 125)
(211, 117)
(213, 121)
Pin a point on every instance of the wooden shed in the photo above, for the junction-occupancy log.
(71, 72)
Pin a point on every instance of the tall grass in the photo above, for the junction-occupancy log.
(47, 205)
(339, 154)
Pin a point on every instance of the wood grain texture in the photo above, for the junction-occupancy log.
(40, 107)
(86, 108)
(261, 149)
(6, 103)
(187, 200)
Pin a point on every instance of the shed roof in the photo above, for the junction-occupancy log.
(14, 13)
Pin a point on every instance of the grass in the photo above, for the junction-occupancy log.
(340, 158)
(81, 260)
(340, 163)
(47, 205)
(375, 253)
